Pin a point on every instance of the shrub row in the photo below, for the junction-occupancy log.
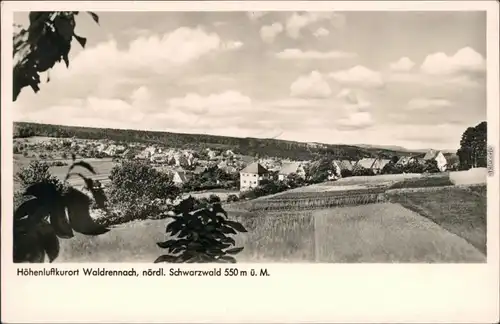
(317, 203)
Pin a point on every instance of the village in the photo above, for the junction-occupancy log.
(184, 165)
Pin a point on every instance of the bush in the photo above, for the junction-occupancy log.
(36, 172)
(431, 166)
(138, 191)
(232, 198)
(414, 167)
(345, 173)
(266, 188)
(213, 198)
(360, 171)
(391, 168)
(201, 235)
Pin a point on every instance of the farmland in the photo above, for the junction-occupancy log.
(101, 166)
(455, 209)
(382, 232)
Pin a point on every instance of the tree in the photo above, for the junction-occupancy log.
(472, 151)
(319, 170)
(139, 190)
(45, 42)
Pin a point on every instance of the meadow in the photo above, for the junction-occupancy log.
(375, 233)
(101, 166)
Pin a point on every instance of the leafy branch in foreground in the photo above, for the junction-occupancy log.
(201, 234)
(45, 42)
(53, 211)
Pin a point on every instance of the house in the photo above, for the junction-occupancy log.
(374, 164)
(252, 175)
(111, 150)
(438, 157)
(365, 163)
(379, 164)
(159, 158)
(180, 177)
(291, 168)
(345, 165)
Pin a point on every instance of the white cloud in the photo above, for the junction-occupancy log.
(269, 33)
(220, 103)
(464, 60)
(157, 53)
(206, 78)
(321, 32)
(425, 103)
(404, 64)
(310, 86)
(140, 94)
(356, 120)
(352, 100)
(293, 53)
(358, 76)
(296, 22)
(233, 45)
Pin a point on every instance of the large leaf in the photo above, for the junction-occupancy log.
(166, 244)
(81, 40)
(234, 250)
(29, 207)
(48, 240)
(217, 208)
(64, 27)
(84, 165)
(27, 248)
(94, 16)
(166, 258)
(78, 205)
(59, 221)
(227, 258)
(46, 191)
(237, 226)
(227, 230)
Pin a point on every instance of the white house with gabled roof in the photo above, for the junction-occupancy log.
(252, 175)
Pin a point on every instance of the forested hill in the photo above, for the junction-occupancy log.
(248, 146)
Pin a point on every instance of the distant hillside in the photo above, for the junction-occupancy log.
(402, 149)
(247, 146)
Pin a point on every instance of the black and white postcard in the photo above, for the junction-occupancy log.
(283, 147)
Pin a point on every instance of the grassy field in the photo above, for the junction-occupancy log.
(376, 233)
(455, 209)
(101, 166)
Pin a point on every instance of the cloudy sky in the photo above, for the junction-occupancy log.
(413, 79)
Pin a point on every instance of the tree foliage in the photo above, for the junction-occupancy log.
(139, 191)
(45, 42)
(200, 234)
(472, 151)
(52, 210)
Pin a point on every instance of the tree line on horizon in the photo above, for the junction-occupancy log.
(246, 146)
